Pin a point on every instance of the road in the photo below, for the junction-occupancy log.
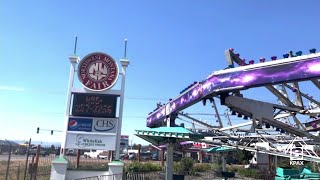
(4, 157)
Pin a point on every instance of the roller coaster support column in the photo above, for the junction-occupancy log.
(223, 159)
(263, 113)
(217, 112)
(169, 161)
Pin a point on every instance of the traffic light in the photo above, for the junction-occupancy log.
(51, 132)
(38, 129)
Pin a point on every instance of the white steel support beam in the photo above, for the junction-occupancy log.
(198, 121)
(236, 126)
(304, 95)
(217, 112)
(263, 112)
(270, 151)
(297, 93)
(316, 82)
(298, 123)
(281, 97)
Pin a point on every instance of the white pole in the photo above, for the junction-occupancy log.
(124, 65)
(169, 161)
(73, 60)
(223, 158)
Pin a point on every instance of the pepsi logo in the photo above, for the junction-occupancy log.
(73, 124)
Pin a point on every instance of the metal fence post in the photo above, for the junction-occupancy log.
(25, 168)
(18, 173)
(8, 165)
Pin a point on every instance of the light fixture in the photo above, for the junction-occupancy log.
(314, 125)
(251, 62)
(233, 113)
(312, 50)
(231, 49)
(239, 115)
(245, 117)
(286, 55)
(274, 58)
(282, 131)
(299, 53)
(277, 129)
(204, 102)
(262, 59)
(238, 54)
(243, 62)
(291, 54)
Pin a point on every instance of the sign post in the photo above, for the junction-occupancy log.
(124, 64)
(91, 121)
(74, 60)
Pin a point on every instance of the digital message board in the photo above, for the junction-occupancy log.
(94, 105)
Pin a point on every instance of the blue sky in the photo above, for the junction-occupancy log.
(170, 44)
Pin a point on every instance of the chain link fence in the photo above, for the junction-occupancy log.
(19, 163)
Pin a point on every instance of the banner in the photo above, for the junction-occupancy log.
(91, 141)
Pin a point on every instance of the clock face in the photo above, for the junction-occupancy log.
(98, 71)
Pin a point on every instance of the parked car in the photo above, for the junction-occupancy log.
(176, 157)
(33, 152)
(124, 156)
(71, 152)
(100, 154)
(103, 155)
(145, 156)
(155, 157)
(21, 151)
(132, 156)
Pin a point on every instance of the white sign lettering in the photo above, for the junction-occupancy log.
(297, 163)
(104, 125)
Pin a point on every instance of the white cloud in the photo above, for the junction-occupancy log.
(11, 88)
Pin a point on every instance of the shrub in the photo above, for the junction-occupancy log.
(201, 168)
(142, 167)
(216, 166)
(177, 167)
(233, 168)
(253, 173)
(184, 166)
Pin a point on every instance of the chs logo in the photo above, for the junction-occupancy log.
(73, 124)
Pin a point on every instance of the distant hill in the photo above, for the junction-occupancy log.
(7, 143)
(17, 142)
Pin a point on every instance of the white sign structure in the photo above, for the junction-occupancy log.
(98, 72)
(91, 141)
